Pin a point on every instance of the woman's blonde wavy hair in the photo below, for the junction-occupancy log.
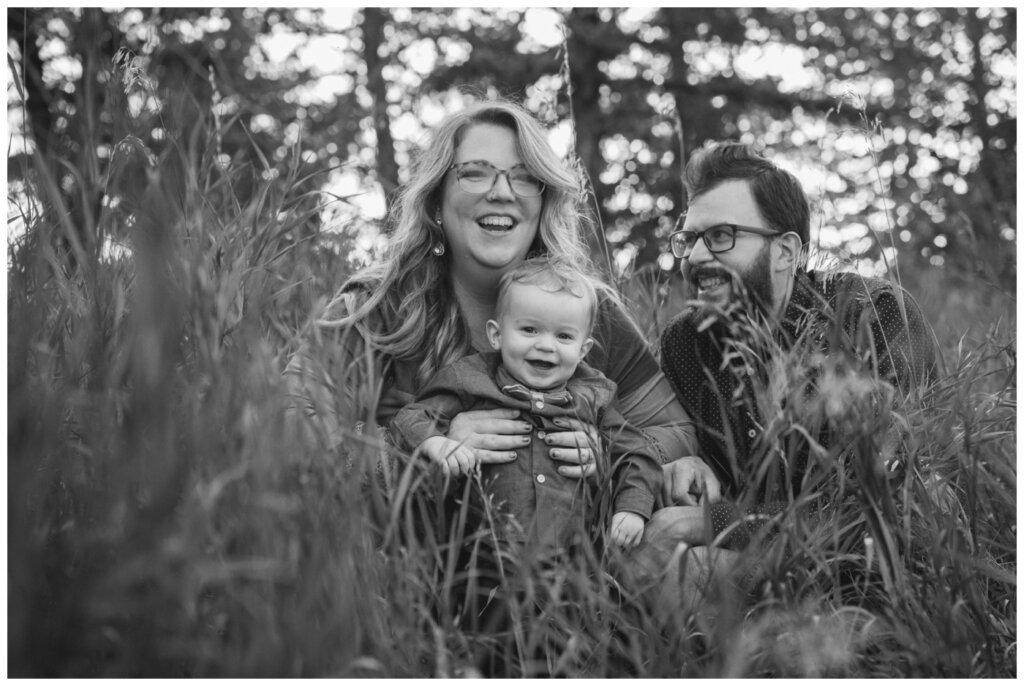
(411, 285)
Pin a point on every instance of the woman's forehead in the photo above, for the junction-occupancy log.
(487, 137)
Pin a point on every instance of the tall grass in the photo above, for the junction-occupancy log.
(168, 516)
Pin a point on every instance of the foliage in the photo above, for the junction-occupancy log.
(901, 121)
(166, 518)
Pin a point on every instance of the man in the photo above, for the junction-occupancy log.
(742, 246)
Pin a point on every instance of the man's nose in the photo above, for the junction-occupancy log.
(699, 253)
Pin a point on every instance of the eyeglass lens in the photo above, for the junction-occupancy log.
(717, 239)
(480, 177)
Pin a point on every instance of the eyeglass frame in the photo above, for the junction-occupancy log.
(758, 230)
(497, 173)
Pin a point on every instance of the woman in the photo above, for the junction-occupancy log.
(487, 191)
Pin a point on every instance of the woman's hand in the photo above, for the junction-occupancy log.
(576, 445)
(493, 435)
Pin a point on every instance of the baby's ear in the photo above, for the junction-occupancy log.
(585, 348)
(494, 334)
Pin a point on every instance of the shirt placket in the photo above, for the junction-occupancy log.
(539, 465)
(553, 493)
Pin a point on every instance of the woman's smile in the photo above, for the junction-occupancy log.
(497, 222)
(487, 231)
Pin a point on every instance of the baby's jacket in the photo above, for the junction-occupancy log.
(543, 501)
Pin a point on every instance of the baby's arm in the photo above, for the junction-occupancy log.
(637, 476)
(627, 529)
(454, 458)
(420, 424)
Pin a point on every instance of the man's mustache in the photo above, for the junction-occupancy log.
(740, 293)
(695, 274)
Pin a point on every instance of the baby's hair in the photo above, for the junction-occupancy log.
(552, 275)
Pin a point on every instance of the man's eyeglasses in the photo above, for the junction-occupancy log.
(717, 238)
(480, 177)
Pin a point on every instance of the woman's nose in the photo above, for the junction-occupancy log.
(501, 188)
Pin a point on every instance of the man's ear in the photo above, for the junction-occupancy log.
(585, 348)
(788, 248)
(494, 334)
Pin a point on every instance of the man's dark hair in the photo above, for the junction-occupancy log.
(779, 195)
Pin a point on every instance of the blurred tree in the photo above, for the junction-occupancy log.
(199, 81)
(936, 89)
(901, 122)
(374, 19)
(62, 111)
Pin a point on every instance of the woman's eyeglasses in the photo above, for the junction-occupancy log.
(480, 177)
(717, 238)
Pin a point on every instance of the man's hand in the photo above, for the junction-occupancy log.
(670, 532)
(627, 529)
(689, 481)
(455, 459)
(671, 526)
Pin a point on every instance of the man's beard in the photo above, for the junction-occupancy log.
(750, 290)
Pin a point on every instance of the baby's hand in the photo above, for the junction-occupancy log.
(454, 458)
(627, 529)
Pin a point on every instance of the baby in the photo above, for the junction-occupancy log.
(541, 330)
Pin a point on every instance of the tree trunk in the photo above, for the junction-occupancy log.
(583, 25)
(374, 20)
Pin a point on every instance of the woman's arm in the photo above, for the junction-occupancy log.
(645, 397)
(654, 408)
(647, 401)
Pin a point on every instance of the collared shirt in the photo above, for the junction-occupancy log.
(530, 488)
(721, 370)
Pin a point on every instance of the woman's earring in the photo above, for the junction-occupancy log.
(438, 249)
